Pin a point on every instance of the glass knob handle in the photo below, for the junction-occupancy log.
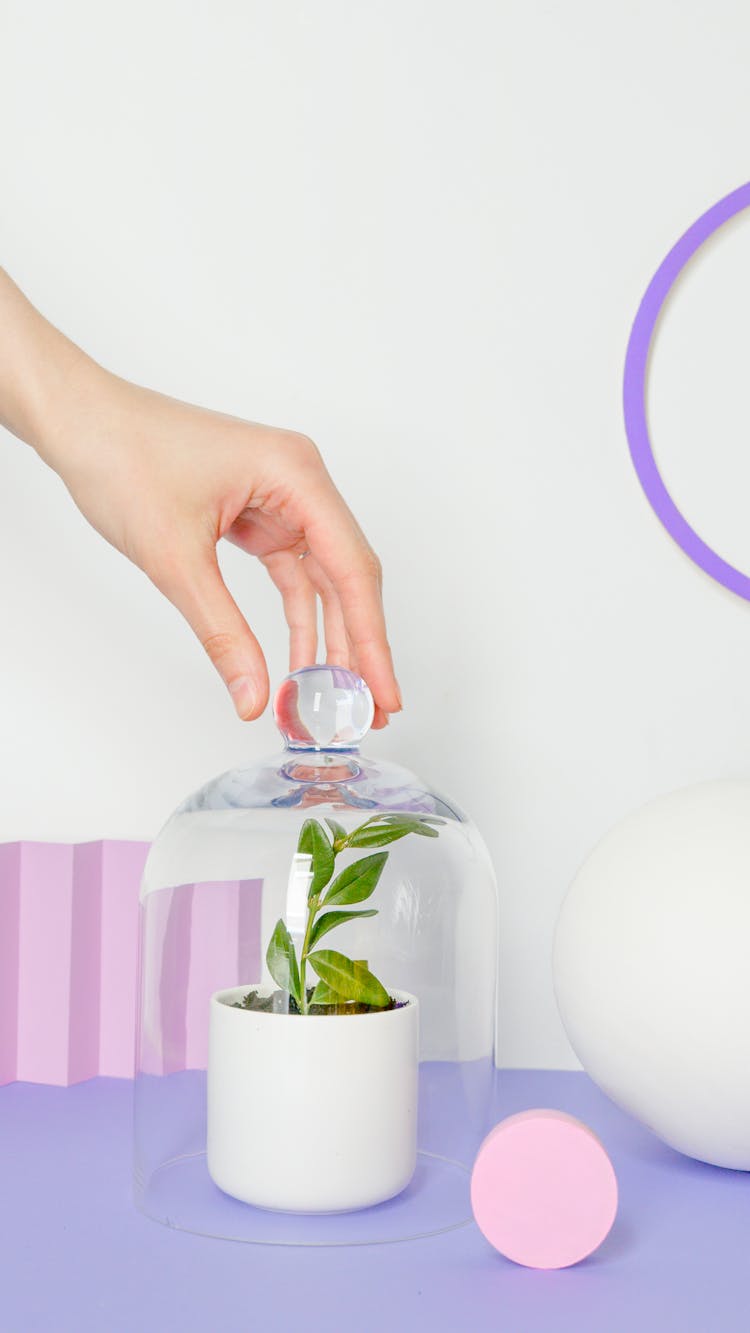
(323, 708)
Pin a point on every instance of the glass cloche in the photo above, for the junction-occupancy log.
(315, 1056)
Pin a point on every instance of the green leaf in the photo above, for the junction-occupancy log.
(376, 835)
(329, 920)
(412, 825)
(314, 842)
(324, 995)
(352, 980)
(382, 829)
(415, 823)
(338, 831)
(282, 961)
(357, 882)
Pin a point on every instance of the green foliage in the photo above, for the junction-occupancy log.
(350, 980)
(342, 980)
(282, 961)
(314, 841)
(383, 829)
(357, 882)
(323, 994)
(328, 920)
(377, 836)
(339, 834)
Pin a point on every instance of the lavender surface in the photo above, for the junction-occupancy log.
(78, 1257)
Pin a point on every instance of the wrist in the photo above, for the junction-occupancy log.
(44, 377)
(66, 408)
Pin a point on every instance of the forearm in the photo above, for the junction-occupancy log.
(42, 373)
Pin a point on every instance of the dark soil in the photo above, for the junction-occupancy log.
(280, 1002)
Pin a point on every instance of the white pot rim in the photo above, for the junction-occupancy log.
(224, 999)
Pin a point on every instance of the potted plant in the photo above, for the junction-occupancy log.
(312, 1083)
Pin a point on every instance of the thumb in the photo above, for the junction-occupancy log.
(199, 592)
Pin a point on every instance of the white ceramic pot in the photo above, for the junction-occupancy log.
(312, 1113)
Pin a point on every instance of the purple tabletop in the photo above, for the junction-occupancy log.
(76, 1256)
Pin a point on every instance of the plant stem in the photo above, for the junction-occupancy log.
(312, 911)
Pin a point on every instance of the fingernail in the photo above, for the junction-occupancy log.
(399, 695)
(243, 694)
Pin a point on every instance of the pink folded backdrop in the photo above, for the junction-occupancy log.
(202, 938)
(69, 920)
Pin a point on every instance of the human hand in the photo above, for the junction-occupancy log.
(164, 482)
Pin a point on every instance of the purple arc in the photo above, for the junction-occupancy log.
(634, 392)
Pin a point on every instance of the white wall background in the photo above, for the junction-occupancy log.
(419, 232)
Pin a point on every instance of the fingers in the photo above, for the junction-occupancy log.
(300, 606)
(352, 568)
(338, 652)
(303, 509)
(192, 581)
(380, 719)
(299, 581)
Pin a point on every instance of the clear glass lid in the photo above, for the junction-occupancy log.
(323, 713)
(251, 1025)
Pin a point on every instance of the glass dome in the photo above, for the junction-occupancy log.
(315, 1056)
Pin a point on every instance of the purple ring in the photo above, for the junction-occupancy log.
(634, 392)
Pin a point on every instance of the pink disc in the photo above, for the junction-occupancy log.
(543, 1189)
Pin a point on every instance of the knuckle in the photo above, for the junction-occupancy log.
(366, 565)
(372, 566)
(302, 448)
(364, 640)
(218, 646)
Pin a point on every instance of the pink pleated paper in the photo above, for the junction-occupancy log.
(69, 917)
(68, 951)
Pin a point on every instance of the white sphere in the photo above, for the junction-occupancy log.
(652, 969)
